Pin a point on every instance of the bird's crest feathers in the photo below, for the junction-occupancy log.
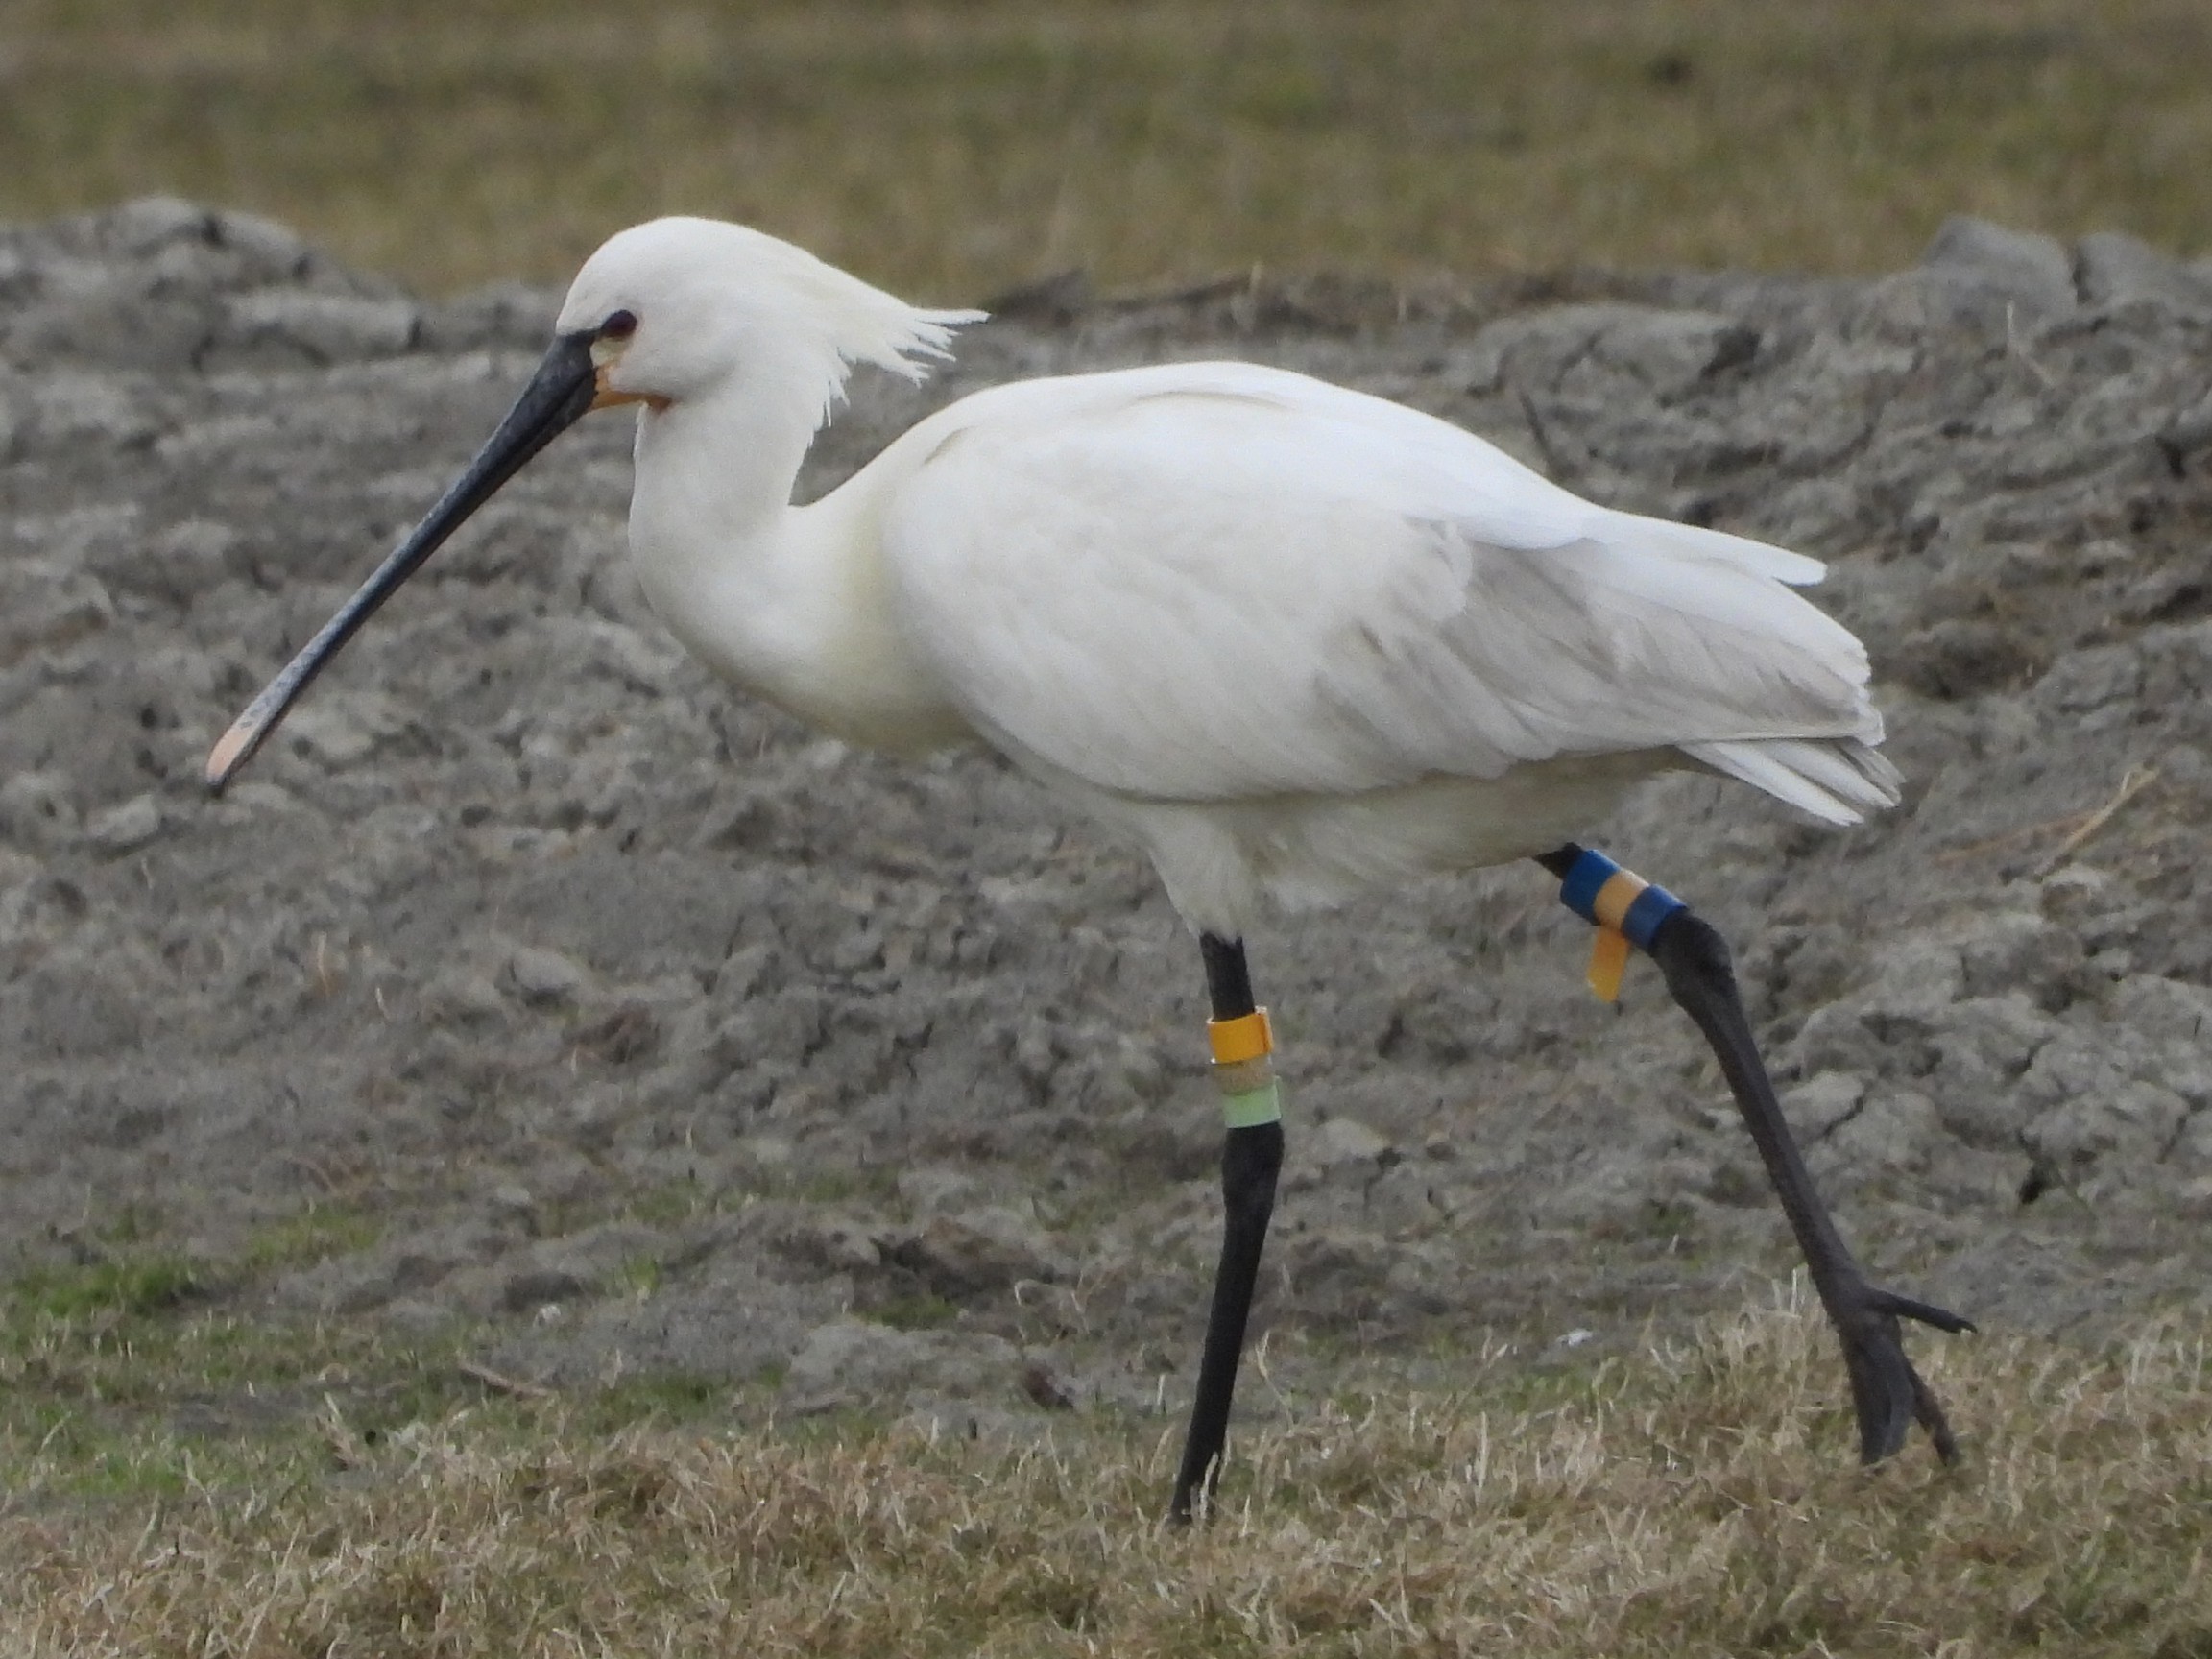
(860, 323)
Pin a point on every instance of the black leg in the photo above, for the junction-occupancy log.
(1886, 1392)
(1251, 1158)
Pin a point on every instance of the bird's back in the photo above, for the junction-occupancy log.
(1212, 583)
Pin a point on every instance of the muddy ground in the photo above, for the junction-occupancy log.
(641, 1029)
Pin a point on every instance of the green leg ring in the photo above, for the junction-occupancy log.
(1253, 1107)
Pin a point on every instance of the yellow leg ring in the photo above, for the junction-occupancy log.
(1609, 950)
(1609, 960)
(1622, 889)
(1247, 1036)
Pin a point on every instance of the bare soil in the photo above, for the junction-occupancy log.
(646, 1030)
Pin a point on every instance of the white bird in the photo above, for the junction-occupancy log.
(1295, 642)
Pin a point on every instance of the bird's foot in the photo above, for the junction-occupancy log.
(1887, 1393)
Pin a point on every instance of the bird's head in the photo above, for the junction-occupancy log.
(664, 314)
(680, 309)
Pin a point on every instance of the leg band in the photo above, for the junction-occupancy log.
(1244, 1069)
(1247, 1036)
(1626, 908)
(1254, 1107)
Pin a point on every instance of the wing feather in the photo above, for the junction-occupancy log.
(1215, 582)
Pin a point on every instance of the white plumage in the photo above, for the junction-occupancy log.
(1295, 639)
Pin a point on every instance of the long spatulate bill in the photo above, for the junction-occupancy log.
(558, 394)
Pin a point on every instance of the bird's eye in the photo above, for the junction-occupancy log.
(619, 326)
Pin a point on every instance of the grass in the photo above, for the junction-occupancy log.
(923, 1313)
(950, 148)
(183, 1474)
(312, 1235)
(131, 1287)
(1690, 1501)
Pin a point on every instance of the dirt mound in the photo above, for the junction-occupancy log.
(654, 1031)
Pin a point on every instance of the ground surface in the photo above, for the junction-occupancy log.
(618, 1024)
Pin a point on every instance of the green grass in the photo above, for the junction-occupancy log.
(951, 149)
(315, 1234)
(924, 1313)
(639, 1277)
(143, 1373)
(139, 1372)
(671, 1400)
(119, 1288)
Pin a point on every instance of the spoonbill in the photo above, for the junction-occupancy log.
(1295, 642)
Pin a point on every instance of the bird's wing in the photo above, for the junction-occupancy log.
(1215, 582)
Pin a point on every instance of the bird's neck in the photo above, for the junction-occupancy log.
(793, 602)
(723, 459)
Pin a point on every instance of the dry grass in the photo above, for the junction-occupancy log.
(951, 147)
(1688, 1502)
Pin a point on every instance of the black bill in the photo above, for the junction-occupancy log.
(561, 391)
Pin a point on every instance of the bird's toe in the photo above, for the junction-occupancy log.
(1925, 1313)
(1888, 1394)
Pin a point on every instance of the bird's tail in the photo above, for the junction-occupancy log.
(1840, 780)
